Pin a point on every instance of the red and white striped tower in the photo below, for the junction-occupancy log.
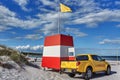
(57, 48)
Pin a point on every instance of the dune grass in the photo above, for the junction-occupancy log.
(13, 54)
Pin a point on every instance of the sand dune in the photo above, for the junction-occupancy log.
(36, 73)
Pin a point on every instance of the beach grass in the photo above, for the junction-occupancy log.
(13, 55)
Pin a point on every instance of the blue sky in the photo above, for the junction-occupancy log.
(92, 23)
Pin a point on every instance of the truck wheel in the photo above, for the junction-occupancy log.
(71, 74)
(60, 72)
(88, 74)
(108, 71)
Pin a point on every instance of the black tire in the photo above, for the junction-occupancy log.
(71, 74)
(60, 72)
(88, 74)
(108, 71)
(45, 69)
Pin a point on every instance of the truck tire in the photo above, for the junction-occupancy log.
(108, 71)
(88, 74)
(71, 74)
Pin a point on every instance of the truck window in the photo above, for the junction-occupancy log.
(97, 58)
(82, 58)
(71, 54)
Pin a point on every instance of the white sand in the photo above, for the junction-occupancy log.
(31, 73)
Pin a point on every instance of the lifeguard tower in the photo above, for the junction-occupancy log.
(57, 48)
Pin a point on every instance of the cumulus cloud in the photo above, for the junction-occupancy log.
(108, 41)
(37, 47)
(23, 47)
(10, 18)
(28, 47)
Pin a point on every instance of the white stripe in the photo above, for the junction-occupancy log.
(56, 51)
(52, 51)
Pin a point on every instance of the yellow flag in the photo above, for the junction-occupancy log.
(64, 8)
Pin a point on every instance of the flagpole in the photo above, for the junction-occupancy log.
(58, 19)
(58, 22)
(63, 8)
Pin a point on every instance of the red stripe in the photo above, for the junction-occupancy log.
(53, 62)
(66, 40)
(58, 39)
(71, 58)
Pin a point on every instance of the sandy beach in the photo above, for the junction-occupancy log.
(37, 73)
(115, 75)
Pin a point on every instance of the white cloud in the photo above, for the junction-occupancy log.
(23, 47)
(50, 28)
(102, 16)
(44, 10)
(3, 28)
(9, 18)
(118, 25)
(6, 12)
(89, 13)
(23, 4)
(28, 47)
(117, 2)
(48, 2)
(4, 39)
(31, 37)
(75, 31)
(13, 32)
(37, 47)
(85, 6)
(108, 41)
(51, 19)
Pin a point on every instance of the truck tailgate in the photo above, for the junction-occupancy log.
(68, 64)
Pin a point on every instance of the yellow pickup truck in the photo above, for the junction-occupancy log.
(85, 64)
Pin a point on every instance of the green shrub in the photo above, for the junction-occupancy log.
(14, 55)
(5, 52)
(18, 58)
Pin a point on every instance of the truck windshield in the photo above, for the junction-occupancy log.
(82, 58)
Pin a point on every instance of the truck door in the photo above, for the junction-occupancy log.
(98, 63)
